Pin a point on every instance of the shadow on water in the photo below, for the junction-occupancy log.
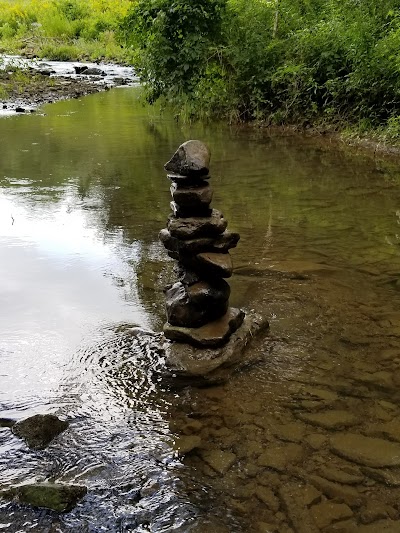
(82, 198)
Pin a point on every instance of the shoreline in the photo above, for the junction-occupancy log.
(25, 90)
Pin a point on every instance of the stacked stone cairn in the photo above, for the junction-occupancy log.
(197, 305)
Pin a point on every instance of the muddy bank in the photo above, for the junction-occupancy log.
(38, 89)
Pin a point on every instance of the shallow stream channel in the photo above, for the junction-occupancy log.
(305, 439)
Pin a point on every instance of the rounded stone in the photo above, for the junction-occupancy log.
(191, 158)
(39, 430)
(195, 305)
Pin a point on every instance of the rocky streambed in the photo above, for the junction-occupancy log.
(26, 84)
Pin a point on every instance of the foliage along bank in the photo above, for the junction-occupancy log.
(303, 62)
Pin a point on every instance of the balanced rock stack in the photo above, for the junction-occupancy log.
(197, 305)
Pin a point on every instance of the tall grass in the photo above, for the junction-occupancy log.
(67, 29)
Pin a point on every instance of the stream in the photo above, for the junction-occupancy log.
(307, 438)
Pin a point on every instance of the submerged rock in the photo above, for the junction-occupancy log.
(218, 460)
(191, 158)
(366, 451)
(331, 419)
(212, 334)
(55, 496)
(7, 422)
(186, 443)
(39, 430)
(195, 364)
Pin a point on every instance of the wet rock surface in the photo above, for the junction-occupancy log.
(39, 430)
(54, 80)
(192, 158)
(198, 313)
(323, 456)
(55, 496)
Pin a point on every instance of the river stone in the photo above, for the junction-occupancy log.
(195, 227)
(326, 513)
(222, 243)
(366, 451)
(189, 212)
(298, 514)
(195, 305)
(7, 422)
(218, 460)
(388, 477)
(192, 158)
(214, 264)
(190, 363)
(39, 430)
(280, 457)
(186, 443)
(332, 419)
(340, 476)
(213, 334)
(55, 496)
(192, 197)
(336, 491)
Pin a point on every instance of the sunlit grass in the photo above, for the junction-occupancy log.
(68, 29)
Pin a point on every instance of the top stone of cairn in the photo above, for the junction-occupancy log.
(191, 159)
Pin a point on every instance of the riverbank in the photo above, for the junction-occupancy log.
(27, 84)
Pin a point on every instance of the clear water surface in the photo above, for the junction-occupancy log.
(83, 195)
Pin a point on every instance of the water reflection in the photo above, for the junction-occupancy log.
(82, 198)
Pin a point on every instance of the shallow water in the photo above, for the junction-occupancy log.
(83, 195)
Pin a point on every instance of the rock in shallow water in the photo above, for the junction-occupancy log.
(213, 334)
(55, 496)
(39, 430)
(194, 305)
(201, 365)
(366, 451)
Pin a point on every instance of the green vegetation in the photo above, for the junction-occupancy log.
(320, 63)
(303, 62)
(63, 29)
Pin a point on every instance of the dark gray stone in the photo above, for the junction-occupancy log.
(195, 305)
(7, 422)
(39, 430)
(55, 496)
(197, 227)
(190, 365)
(215, 264)
(212, 334)
(187, 181)
(195, 197)
(191, 158)
(222, 243)
(188, 212)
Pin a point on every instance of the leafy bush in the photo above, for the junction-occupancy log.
(174, 43)
(285, 61)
